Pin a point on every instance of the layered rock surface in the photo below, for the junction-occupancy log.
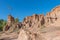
(39, 27)
(53, 17)
(11, 25)
(33, 23)
(51, 23)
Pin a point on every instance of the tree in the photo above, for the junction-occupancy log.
(16, 20)
(2, 24)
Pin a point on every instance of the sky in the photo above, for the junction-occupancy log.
(22, 8)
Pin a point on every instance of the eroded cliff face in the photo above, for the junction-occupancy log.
(36, 22)
(38, 27)
(53, 17)
(32, 26)
(11, 25)
(33, 23)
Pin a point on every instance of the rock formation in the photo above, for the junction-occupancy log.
(37, 27)
(34, 23)
(10, 20)
(26, 35)
(32, 26)
(53, 17)
(11, 25)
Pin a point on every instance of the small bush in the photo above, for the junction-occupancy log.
(2, 24)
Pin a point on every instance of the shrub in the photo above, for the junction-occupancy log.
(2, 24)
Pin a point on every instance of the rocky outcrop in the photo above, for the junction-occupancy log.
(10, 20)
(32, 26)
(33, 23)
(11, 25)
(26, 35)
(53, 17)
(37, 27)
